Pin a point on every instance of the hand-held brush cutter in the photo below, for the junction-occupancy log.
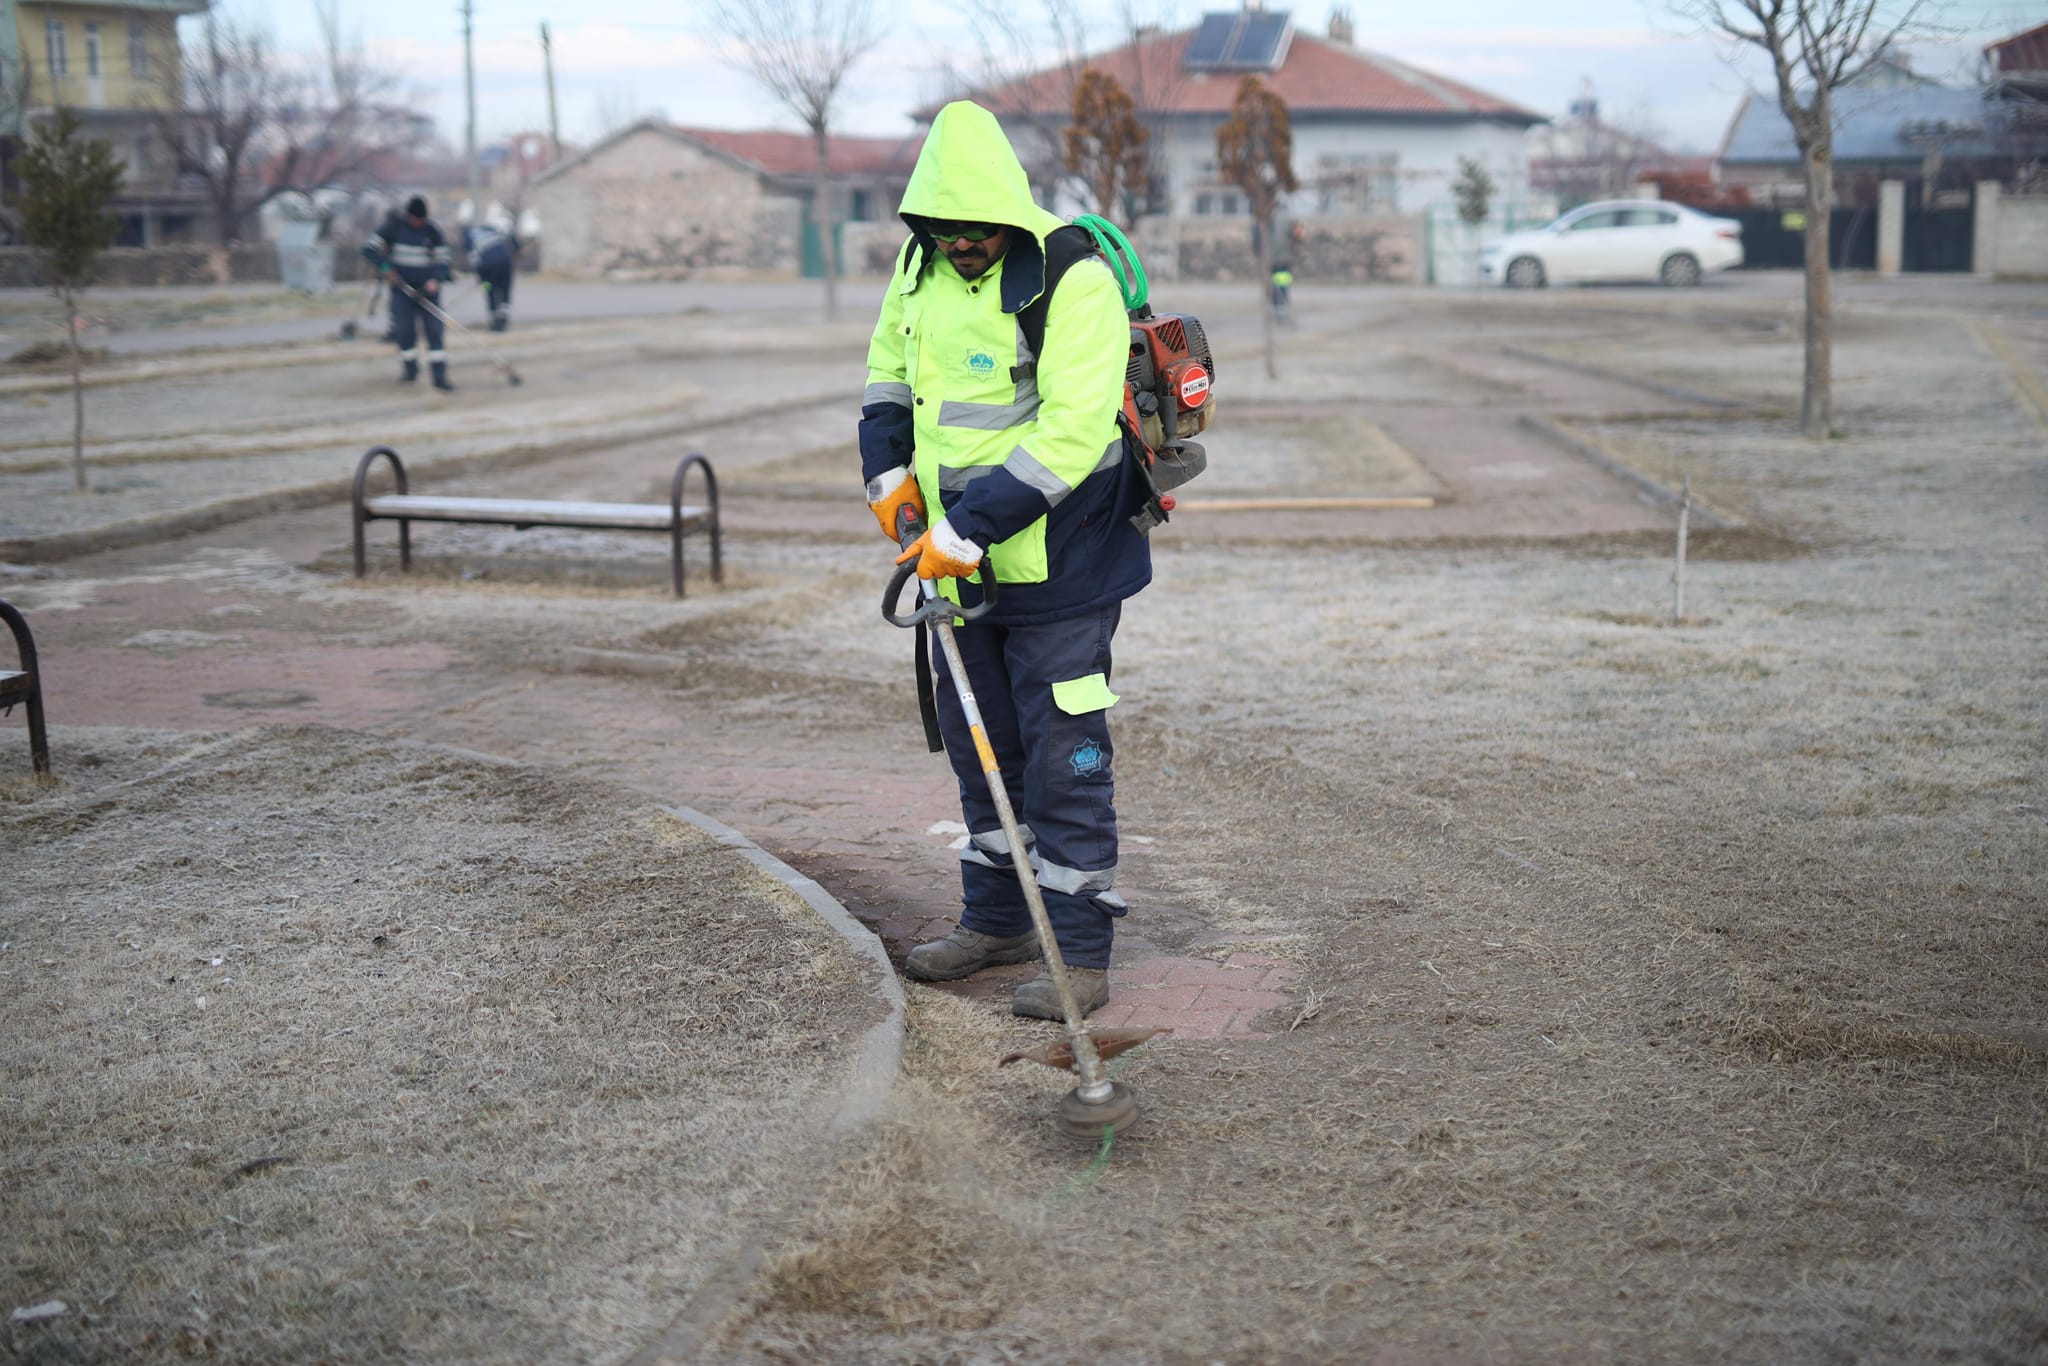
(348, 327)
(511, 375)
(1097, 1106)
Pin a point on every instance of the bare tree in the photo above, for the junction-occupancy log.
(253, 127)
(1255, 152)
(617, 108)
(1030, 64)
(800, 52)
(1105, 142)
(1816, 47)
(1025, 73)
(1592, 155)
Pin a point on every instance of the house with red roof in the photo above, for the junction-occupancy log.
(660, 199)
(1371, 134)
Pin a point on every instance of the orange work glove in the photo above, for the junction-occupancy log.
(888, 493)
(942, 553)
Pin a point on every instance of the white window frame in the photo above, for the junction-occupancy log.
(138, 48)
(92, 50)
(56, 47)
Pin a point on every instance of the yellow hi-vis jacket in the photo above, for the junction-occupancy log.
(1021, 452)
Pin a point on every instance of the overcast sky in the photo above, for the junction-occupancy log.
(615, 58)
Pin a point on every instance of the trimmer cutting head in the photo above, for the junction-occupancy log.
(1087, 1121)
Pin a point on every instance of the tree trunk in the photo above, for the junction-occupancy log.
(821, 216)
(1816, 402)
(77, 394)
(1265, 230)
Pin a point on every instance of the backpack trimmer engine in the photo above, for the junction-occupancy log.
(1169, 380)
(1169, 396)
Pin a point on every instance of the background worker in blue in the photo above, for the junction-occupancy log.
(493, 252)
(1020, 456)
(412, 250)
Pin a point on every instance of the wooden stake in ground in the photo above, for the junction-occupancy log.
(67, 182)
(1678, 575)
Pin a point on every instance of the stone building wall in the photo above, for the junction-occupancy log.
(652, 206)
(1379, 249)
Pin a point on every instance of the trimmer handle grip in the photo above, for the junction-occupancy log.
(909, 526)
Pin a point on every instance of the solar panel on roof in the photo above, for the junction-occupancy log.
(1258, 41)
(1211, 41)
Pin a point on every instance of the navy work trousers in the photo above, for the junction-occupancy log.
(408, 320)
(1056, 767)
(496, 274)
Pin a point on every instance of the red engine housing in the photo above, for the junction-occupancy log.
(1169, 385)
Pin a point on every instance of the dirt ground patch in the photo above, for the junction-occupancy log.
(319, 1046)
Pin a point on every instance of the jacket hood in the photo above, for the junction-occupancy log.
(968, 171)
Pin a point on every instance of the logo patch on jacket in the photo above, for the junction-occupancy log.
(981, 362)
(1087, 759)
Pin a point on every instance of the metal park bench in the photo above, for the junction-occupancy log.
(25, 685)
(674, 517)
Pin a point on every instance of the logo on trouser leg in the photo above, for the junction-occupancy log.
(1088, 758)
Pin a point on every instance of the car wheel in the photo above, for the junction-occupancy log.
(1679, 269)
(1525, 272)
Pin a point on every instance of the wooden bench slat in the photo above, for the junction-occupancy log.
(507, 511)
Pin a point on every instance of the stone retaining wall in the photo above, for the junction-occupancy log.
(20, 267)
(1379, 248)
(2012, 234)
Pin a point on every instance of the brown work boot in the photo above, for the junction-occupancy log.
(1040, 1000)
(965, 952)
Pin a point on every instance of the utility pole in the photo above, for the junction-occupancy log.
(547, 52)
(476, 188)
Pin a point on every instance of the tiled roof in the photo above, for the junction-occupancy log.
(791, 154)
(1317, 77)
(1872, 124)
(767, 151)
(2022, 52)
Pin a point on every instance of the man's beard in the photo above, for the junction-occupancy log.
(968, 263)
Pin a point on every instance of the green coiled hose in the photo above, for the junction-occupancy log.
(1122, 257)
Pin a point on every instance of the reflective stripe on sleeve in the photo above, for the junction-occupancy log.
(956, 478)
(1024, 465)
(887, 392)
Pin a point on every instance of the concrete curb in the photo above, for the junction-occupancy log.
(159, 526)
(1704, 514)
(1655, 386)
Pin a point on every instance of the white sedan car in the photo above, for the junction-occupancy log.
(1617, 239)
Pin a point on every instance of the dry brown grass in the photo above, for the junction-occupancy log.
(326, 1047)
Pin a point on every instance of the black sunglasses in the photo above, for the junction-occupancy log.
(972, 232)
